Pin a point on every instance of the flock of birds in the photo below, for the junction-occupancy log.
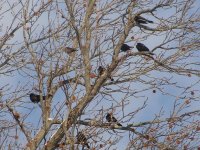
(81, 138)
(124, 48)
(140, 47)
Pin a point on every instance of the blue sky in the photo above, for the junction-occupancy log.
(155, 101)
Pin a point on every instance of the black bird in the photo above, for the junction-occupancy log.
(101, 70)
(142, 48)
(36, 98)
(125, 47)
(112, 119)
(81, 139)
(142, 20)
(69, 50)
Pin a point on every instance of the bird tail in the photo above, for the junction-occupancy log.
(149, 21)
(88, 146)
(119, 124)
(111, 79)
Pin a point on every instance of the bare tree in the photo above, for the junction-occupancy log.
(69, 83)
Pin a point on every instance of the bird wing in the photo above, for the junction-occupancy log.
(108, 117)
(114, 119)
(125, 47)
(69, 49)
(141, 47)
(150, 21)
(143, 20)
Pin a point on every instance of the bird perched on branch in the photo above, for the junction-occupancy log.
(101, 70)
(69, 50)
(141, 20)
(125, 47)
(142, 48)
(81, 139)
(110, 118)
(36, 98)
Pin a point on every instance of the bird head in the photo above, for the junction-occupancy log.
(110, 113)
(31, 94)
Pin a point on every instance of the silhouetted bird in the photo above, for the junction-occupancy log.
(126, 47)
(112, 119)
(142, 20)
(36, 98)
(81, 139)
(69, 50)
(142, 48)
(101, 70)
